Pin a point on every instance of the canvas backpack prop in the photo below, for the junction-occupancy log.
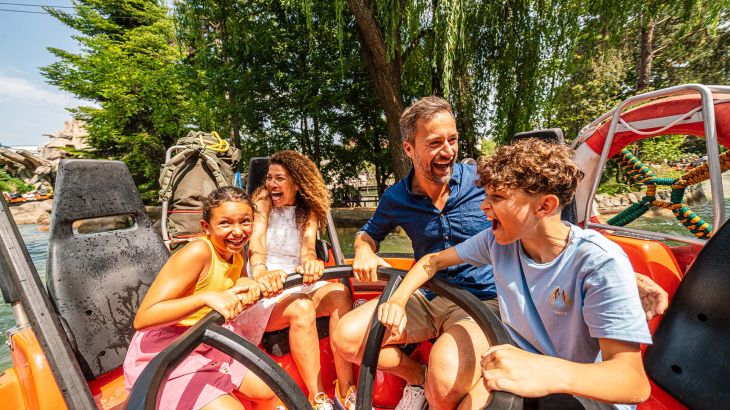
(206, 162)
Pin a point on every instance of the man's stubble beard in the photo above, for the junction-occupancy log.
(417, 163)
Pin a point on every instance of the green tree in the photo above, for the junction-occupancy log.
(9, 183)
(128, 69)
(297, 86)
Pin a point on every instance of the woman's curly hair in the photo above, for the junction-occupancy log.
(533, 165)
(312, 198)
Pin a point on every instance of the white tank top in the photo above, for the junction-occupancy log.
(283, 244)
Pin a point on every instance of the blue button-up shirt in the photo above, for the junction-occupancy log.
(431, 230)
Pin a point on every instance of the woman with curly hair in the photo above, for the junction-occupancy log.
(290, 207)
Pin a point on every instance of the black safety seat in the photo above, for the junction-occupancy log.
(690, 356)
(570, 212)
(97, 280)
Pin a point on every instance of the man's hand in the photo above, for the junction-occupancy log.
(508, 368)
(365, 264)
(271, 283)
(654, 299)
(311, 270)
(393, 316)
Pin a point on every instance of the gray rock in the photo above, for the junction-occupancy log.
(37, 212)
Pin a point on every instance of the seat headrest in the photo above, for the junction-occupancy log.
(548, 134)
(258, 167)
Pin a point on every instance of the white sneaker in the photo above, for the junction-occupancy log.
(414, 398)
(322, 402)
(348, 403)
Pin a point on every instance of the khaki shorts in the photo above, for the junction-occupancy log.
(431, 318)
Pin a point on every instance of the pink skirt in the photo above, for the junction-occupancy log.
(206, 373)
(202, 377)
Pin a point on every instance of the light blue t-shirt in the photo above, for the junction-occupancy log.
(561, 308)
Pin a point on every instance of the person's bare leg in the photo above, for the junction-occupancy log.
(297, 312)
(477, 398)
(349, 342)
(454, 364)
(255, 390)
(334, 300)
(224, 402)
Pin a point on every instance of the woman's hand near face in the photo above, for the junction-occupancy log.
(271, 283)
(311, 270)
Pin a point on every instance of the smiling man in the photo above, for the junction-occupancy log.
(437, 205)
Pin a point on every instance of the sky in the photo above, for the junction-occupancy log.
(29, 107)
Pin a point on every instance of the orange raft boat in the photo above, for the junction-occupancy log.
(71, 336)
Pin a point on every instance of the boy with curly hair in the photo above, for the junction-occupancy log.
(567, 295)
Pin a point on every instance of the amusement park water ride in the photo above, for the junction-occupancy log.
(72, 333)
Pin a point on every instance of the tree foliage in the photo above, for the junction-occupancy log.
(331, 78)
(9, 183)
(127, 68)
(284, 82)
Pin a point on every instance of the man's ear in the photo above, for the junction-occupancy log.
(548, 205)
(409, 149)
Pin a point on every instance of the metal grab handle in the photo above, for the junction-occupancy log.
(208, 330)
(487, 321)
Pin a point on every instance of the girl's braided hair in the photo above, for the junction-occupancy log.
(224, 194)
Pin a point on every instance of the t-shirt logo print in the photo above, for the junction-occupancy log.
(560, 301)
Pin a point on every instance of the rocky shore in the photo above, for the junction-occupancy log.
(36, 212)
(613, 204)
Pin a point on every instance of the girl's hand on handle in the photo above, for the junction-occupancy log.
(271, 283)
(393, 316)
(311, 270)
(253, 294)
(228, 303)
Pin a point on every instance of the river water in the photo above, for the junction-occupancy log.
(37, 243)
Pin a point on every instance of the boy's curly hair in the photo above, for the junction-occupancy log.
(224, 194)
(533, 165)
(313, 198)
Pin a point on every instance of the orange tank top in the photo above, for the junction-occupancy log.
(220, 276)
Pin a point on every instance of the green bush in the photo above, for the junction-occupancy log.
(11, 184)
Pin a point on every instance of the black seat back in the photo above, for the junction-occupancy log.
(258, 167)
(97, 280)
(690, 357)
(570, 212)
(547, 134)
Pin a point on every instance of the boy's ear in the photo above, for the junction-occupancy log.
(548, 205)
(204, 225)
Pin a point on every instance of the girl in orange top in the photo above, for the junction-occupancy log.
(204, 275)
